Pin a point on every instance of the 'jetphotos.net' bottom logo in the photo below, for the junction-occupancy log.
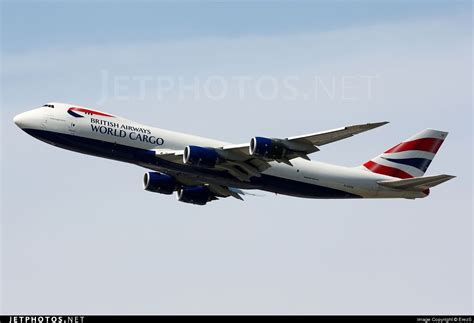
(46, 319)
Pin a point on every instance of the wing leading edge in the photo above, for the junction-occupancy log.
(242, 164)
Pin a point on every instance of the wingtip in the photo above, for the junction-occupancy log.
(447, 176)
(374, 125)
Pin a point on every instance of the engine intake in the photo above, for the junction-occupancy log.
(267, 148)
(200, 156)
(199, 195)
(159, 183)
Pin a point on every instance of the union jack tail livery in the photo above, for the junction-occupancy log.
(410, 158)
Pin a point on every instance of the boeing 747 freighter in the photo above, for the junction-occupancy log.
(201, 170)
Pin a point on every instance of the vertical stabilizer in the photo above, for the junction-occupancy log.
(411, 158)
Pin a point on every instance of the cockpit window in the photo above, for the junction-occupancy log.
(49, 106)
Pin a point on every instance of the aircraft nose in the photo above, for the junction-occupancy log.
(22, 119)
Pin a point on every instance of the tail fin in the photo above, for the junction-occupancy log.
(410, 158)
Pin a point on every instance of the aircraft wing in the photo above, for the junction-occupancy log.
(313, 140)
(327, 137)
(239, 161)
(176, 156)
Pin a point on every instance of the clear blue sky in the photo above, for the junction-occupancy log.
(39, 25)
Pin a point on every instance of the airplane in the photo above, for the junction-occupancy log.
(201, 170)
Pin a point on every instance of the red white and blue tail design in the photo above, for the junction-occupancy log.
(410, 158)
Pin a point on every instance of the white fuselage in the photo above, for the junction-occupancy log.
(99, 134)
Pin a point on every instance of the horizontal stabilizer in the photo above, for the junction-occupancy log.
(418, 183)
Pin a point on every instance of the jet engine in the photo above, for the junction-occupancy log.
(267, 148)
(199, 195)
(200, 156)
(159, 183)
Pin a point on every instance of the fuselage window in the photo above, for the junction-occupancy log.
(49, 106)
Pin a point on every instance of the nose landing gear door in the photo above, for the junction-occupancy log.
(44, 124)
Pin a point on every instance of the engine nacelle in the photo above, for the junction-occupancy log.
(200, 156)
(199, 195)
(267, 148)
(159, 183)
